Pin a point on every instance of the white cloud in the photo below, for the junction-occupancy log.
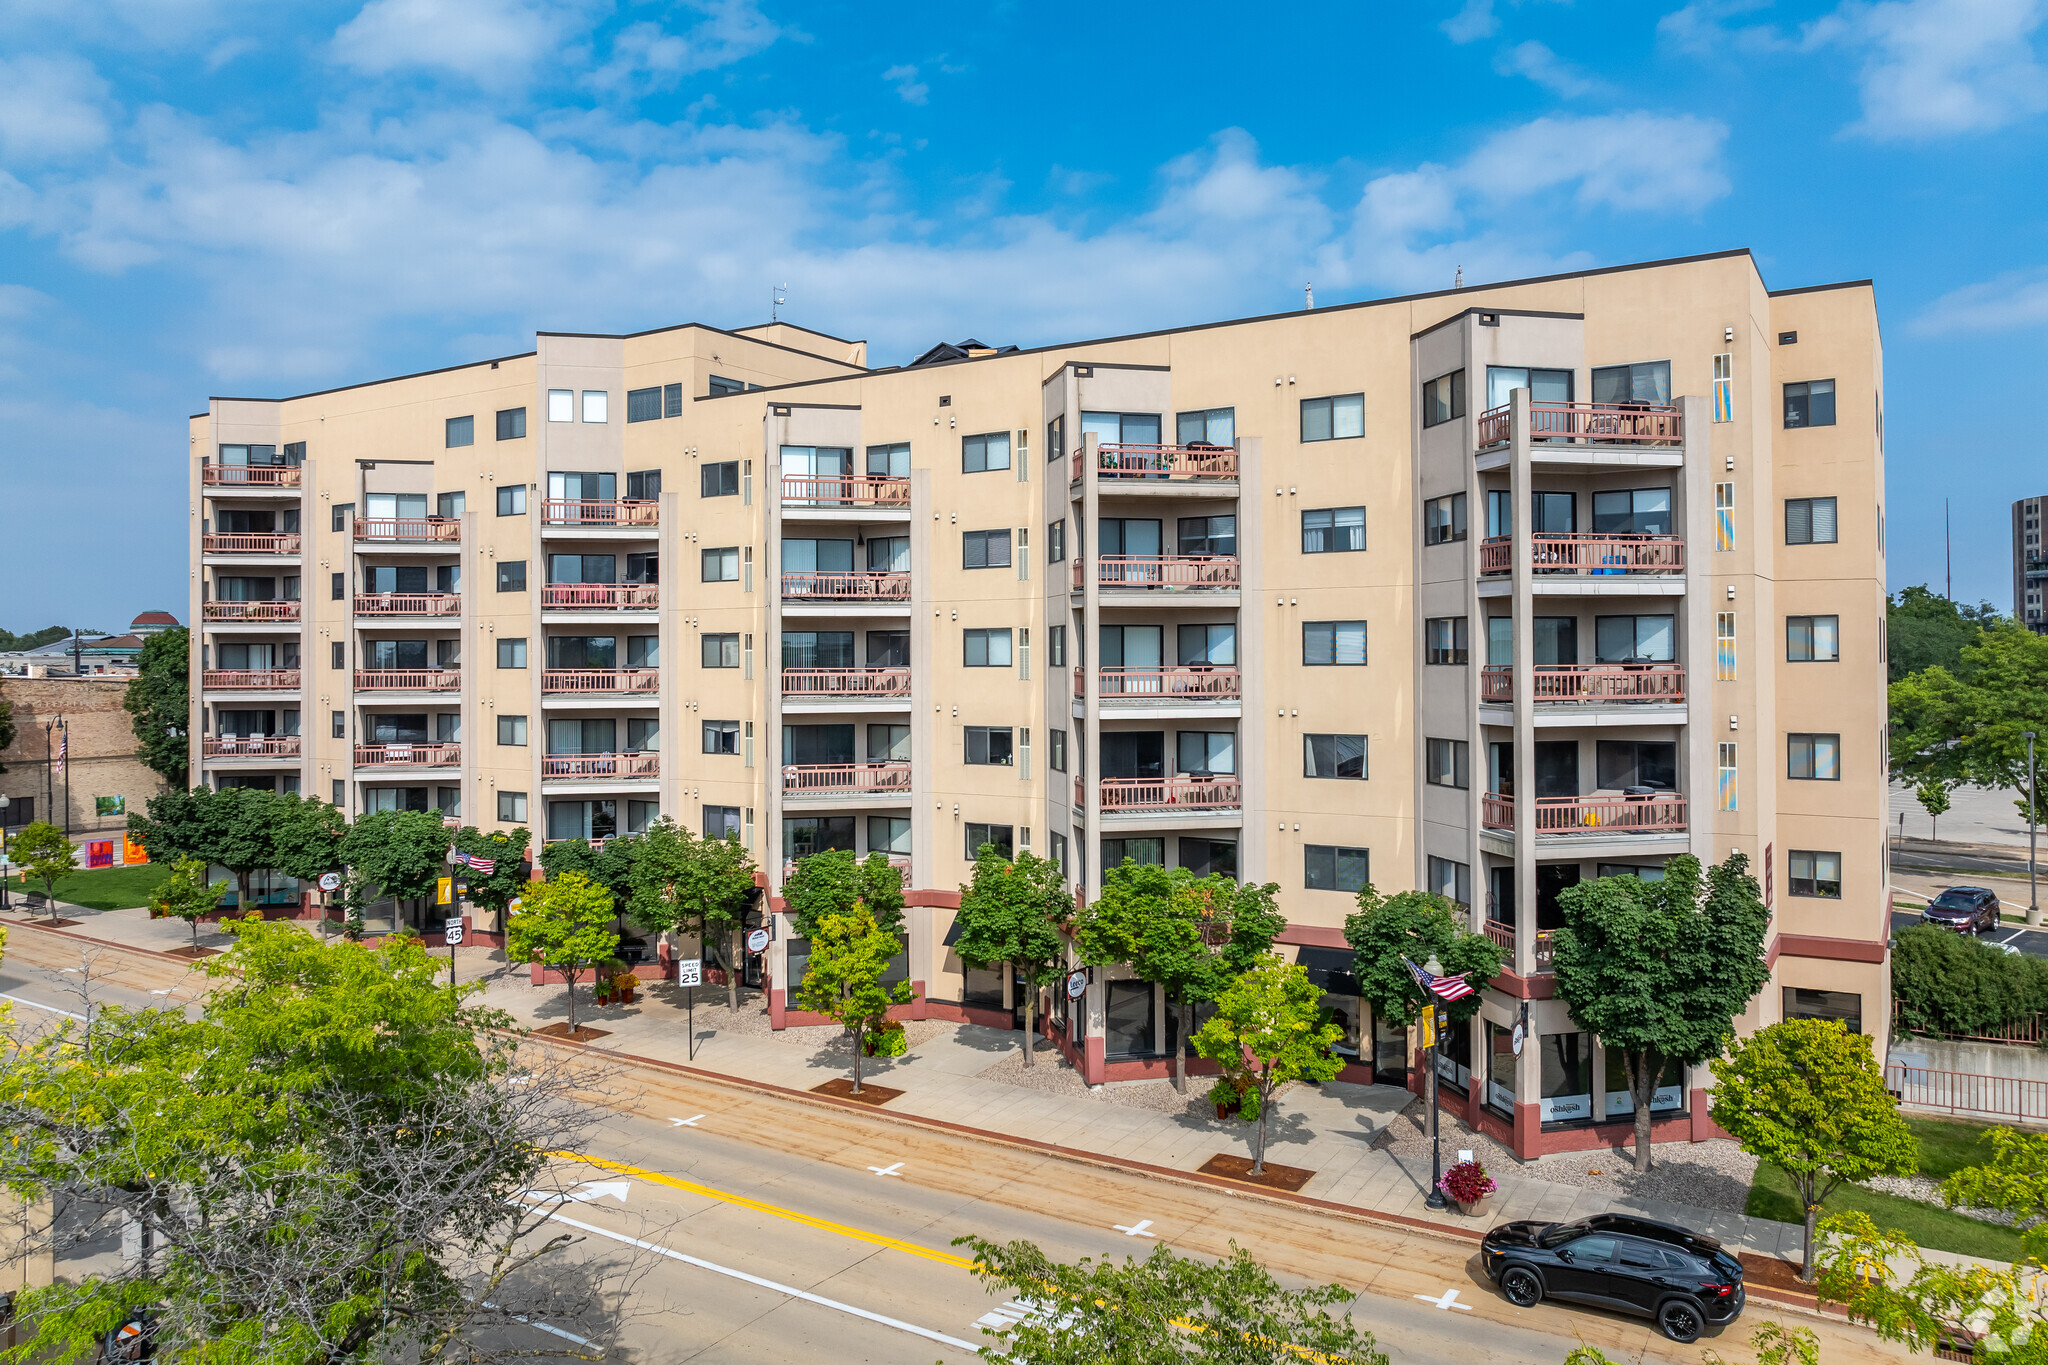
(50, 108)
(492, 42)
(1633, 161)
(1473, 21)
(2011, 301)
(908, 86)
(1537, 62)
(647, 56)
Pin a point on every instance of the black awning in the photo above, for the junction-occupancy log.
(952, 933)
(1331, 968)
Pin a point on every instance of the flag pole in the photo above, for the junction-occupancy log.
(1436, 1198)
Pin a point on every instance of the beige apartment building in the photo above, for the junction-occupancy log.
(1484, 591)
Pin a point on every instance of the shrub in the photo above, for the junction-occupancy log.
(1945, 982)
(1467, 1182)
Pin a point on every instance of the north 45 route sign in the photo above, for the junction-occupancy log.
(454, 933)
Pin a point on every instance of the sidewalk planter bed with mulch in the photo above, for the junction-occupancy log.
(1274, 1177)
(840, 1088)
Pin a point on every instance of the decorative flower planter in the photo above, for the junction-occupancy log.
(1469, 1187)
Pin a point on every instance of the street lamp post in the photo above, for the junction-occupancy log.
(6, 872)
(1436, 1198)
(2033, 897)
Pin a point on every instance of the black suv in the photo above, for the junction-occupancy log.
(1682, 1280)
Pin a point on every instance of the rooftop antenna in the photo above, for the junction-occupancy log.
(1458, 282)
(777, 296)
(1309, 292)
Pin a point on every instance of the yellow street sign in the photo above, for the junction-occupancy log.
(1429, 1029)
(444, 890)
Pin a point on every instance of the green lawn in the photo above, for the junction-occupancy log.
(106, 888)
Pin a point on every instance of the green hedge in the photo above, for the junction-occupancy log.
(1946, 982)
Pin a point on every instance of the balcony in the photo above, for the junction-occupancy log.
(408, 755)
(899, 861)
(250, 543)
(1216, 573)
(1168, 684)
(1591, 816)
(249, 611)
(1504, 935)
(1596, 683)
(631, 514)
(250, 680)
(850, 585)
(1168, 795)
(1178, 464)
(409, 530)
(846, 779)
(807, 490)
(851, 684)
(408, 604)
(597, 767)
(1587, 553)
(250, 476)
(408, 680)
(600, 596)
(597, 681)
(1633, 424)
(252, 746)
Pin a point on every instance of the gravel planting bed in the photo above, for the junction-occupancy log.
(1925, 1189)
(1049, 1071)
(1053, 1075)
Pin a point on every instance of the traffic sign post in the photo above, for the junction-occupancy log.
(690, 975)
(452, 931)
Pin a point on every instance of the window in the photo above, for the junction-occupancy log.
(1630, 640)
(1333, 419)
(985, 549)
(1329, 868)
(1208, 535)
(1120, 428)
(339, 515)
(1443, 520)
(1847, 1006)
(722, 651)
(1451, 880)
(512, 806)
(1814, 758)
(643, 405)
(511, 653)
(643, 485)
(511, 424)
(672, 400)
(1544, 386)
(450, 506)
(1205, 753)
(979, 834)
(987, 648)
(1334, 756)
(1148, 852)
(1326, 643)
(561, 405)
(720, 479)
(459, 431)
(721, 737)
(1632, 512)
(1622, 385)
(1056, 646)
(594, 404)
(1055, 430)
(1724, 388)
(1056, 750)
(1816, 874)
(989, 745)
(1724, 646)
(1206, 427)
(511, 575)
(1445, 640)
(720, 384)
(722, 565)
(339, 722)
(1443, 398)
(1811, 404)
(1809, 521)
(338, 655)
(1813, 639)
(1332, 530)
(1449, 763)
(1624, 763)
(512, 730)
(512, 500)
(1724, 516)
(1725, 771)
(978, 454)
(338, 586)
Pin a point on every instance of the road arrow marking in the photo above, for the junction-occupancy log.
(896, 1169)
(1449, 1300)
(598, 1189)
(686, 1123)
(1136, 1229)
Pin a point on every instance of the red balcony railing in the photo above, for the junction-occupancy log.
(852, 585)
(1504, 935)
(601, 596)
(408, 679)
(899, 861)
(245, 543)
(582, 766)
(250, 746)
(1589, 683)
(1180, 792)
(642, 681)
(1593, 423)
(1591, 814)
(250, 611)
(1163, 571)
(857, 490)
(250, 475)
(1184, 682)
(1587, 553)
(1192, 462)
(845, 682)
(639, 513)
(408, 604)
(441, 530)
(248, 679)
(846, 779)
(408, 755)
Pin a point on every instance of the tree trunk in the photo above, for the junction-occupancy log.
(570, 977)
(1642, 1084)
(1030, 1038)
(194, 922)
(1805, 1186)
(1184, 1013)
(241, 894)
(732, 971)
(858, 1031)
(1259, 1140)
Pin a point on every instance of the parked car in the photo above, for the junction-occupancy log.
(1681, 1280)
(1965, 909)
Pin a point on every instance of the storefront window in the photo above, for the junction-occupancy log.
(1454, 1056)
(1390, 1057)
(1500, 1068)
(1567, 1091)
(1846, 1006)
(1127, 1020)
(1669, 1097)
(1331, 968)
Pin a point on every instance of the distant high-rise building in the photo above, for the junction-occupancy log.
(2029, 565)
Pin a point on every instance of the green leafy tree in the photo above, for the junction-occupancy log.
(2015, 1180)
(402, 853)
(828, 883)
(1950, 983)
(1189, 935)
(683, 884)
(1660, 970)
(35, 639)
(1925, 629)
(609, 863)
(1807, 1096)
(506, 848)
(1932, 794)
(1968, 723)
(45, 854)
(1269, 1027)
(158, 700)
(1887, 1283)
(1417, 925)
(850, 954)
(187, 894)
(230, 829)
(1163, 1310)
(565, 924)
(1011, 912)
(1773, 1342)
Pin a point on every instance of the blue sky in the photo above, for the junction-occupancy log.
(239, 197)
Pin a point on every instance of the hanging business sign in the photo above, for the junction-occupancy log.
(1077, 983)
(330, 881)
(757, 940)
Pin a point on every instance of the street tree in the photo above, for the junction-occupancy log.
(505, 849)
(187, 894)
(44, 853)
(1923, 629)
(1969, 723)
(1268, 1027)
(1189, 935)
(2014, 1181)
(1012, 911)
(1416, 925)
(850, 954)
(1887, 1282)
(1933, 795)
(565, 924)
(401, 853)
(243, 830)
(158, 700)
(1807, 1096)
(829, 883)
(608, 862)
(683, 884)
(1658, 971)
(1163, 1310)
(1773, 1342)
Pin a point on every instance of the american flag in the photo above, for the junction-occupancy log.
(1447, 987)
(63, 749)
(484, 865)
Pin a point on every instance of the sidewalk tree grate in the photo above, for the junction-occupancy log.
(1288, 1178)
(840, 1088)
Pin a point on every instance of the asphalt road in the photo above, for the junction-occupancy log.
(1926, 884)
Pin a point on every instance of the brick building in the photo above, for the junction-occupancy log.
(103, 777)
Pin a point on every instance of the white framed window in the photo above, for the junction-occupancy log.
(561, 405)
(596, 405)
